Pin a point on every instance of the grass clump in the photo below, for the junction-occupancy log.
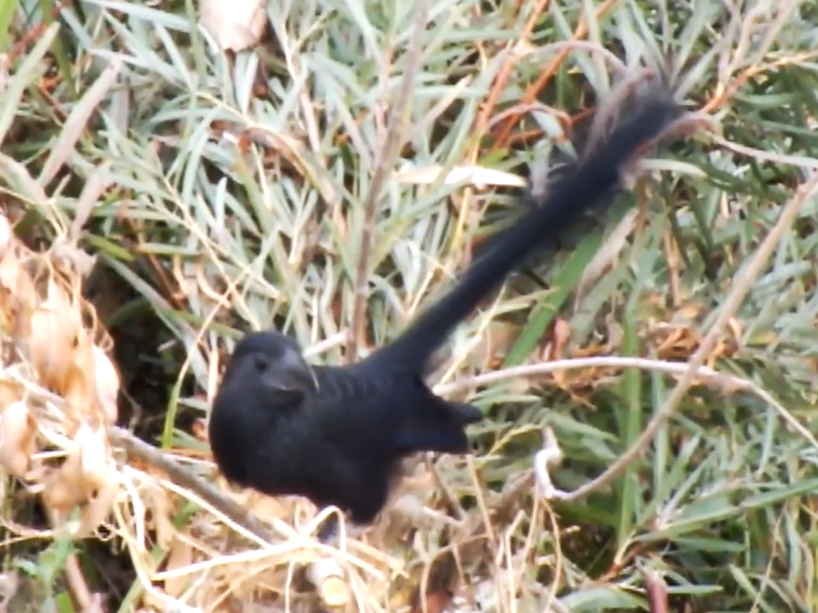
(221, 193)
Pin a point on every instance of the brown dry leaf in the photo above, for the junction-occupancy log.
(590, 351)
(94, 454)
(6, 235)
(18, 430)
(16, 293)
(678, 343)
(9, 269)
(10, 392)
(63, 488)
(79, 388)
(235, 24)
(55, 327)
(560, 335)
(106, 378)
(86, 472)
(180, 555)
(721, 350)
(101, 500)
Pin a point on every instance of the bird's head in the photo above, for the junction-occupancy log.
(273, 362)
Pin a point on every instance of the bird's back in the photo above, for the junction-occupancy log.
(343, 445)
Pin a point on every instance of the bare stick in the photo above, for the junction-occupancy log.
(180, 475)
(324, 573)
(656, 590)
(391, 147)
(725, 381)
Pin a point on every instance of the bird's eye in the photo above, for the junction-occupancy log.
(260, 364)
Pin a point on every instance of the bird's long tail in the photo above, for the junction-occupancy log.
(589, 181)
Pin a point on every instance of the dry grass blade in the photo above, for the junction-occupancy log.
(77, 122)
(331, 178)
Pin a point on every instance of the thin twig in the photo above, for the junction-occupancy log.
(726, 381)
(393, 141)
(180, 475)
(325, 573)
(656, 590)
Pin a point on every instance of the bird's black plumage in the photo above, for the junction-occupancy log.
(337, 434)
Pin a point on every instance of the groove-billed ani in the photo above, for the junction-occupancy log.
(337, 434)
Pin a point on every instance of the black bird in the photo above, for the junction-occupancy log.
(337, 435)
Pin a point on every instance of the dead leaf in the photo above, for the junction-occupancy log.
(55, 328)
(5, 234)
(9, 269)
(86, 474)
(16, 294)
(436, 602)
(75, 125)
(18, 429)
(64, 487)
(180, 555)
(235, 24)
(9, 392)
(106, 379)
(79, 387)
(101, 500)
(94, 452)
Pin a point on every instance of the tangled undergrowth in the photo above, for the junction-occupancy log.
(52, 339)
(234, 191)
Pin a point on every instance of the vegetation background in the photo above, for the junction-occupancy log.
(220, 192)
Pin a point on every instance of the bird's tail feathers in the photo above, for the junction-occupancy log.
(590, 180)
(464, 413)
(439, 428)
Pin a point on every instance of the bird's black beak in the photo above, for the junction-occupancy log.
(291, 373)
